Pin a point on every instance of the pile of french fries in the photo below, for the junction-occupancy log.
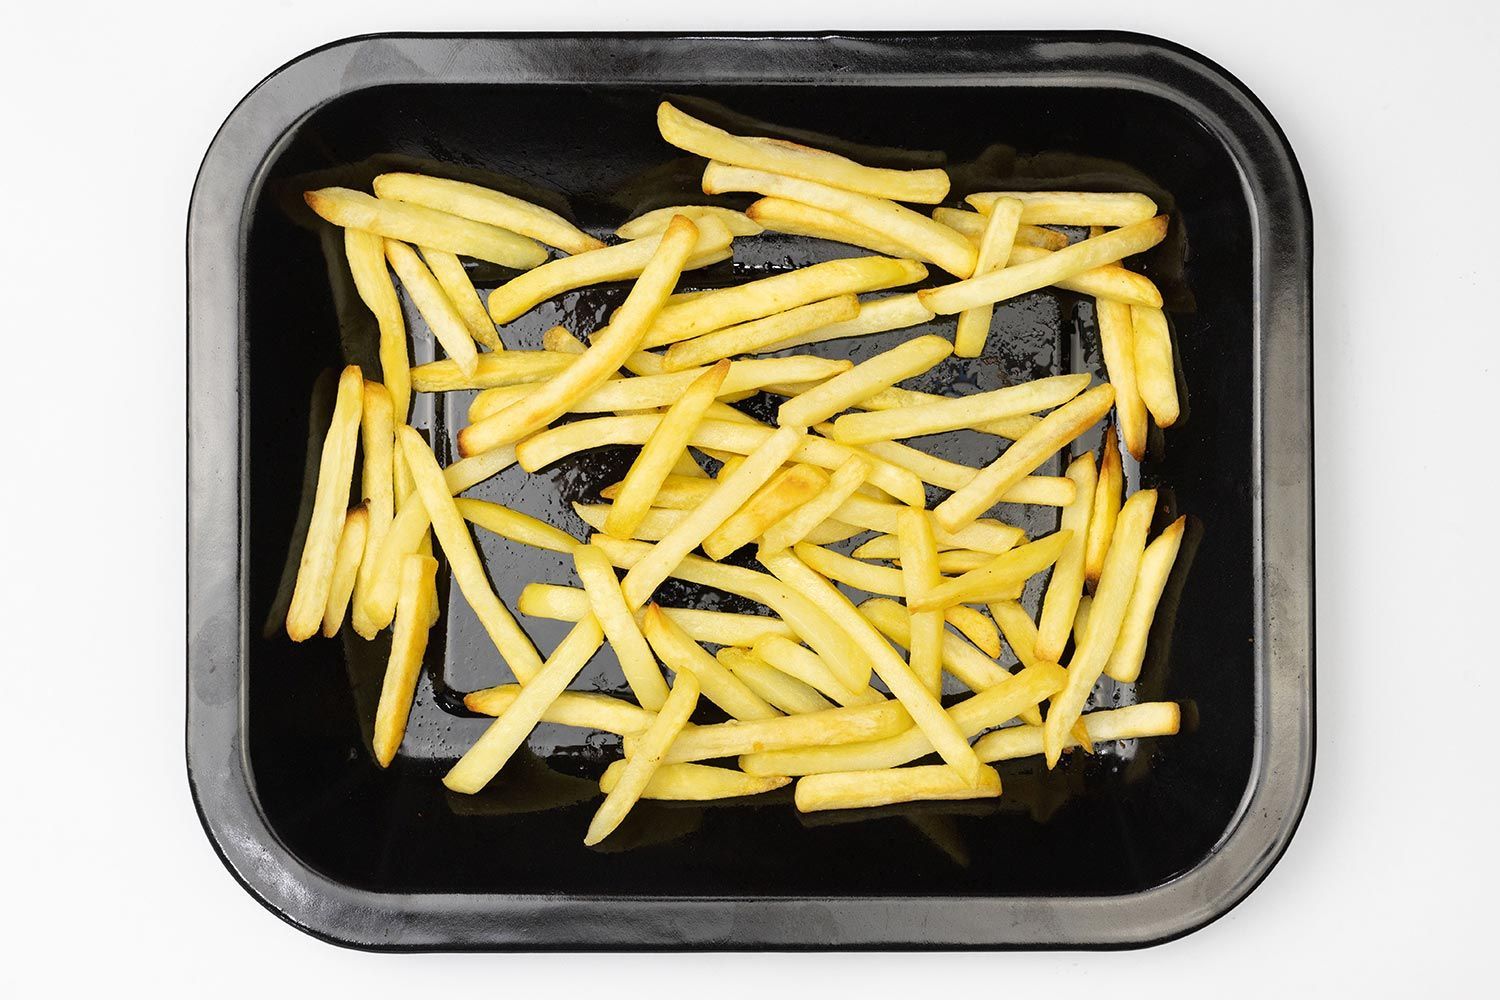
(841, 697)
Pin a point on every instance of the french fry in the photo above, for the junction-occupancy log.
(641, 765)
(582, 709)
(1000, 579)
(910, 358)
(695, 782)
(396, 220)
(963, 411)
(494, 208)
(973, 624)
(1060, 603)
(658, 275)
(903, 683)
(976, 670)
(994, 251)
(919, 574)
(346, 559)
(781, 215)
(971, 716)
(1107, 281)
(779, 690)
(802, 522)
(894, 312)
(448, 524)
(1056, 430)
(660, 452)
(558, 339)
(954, 561)
(408, 644)
(826, 728)
(1106, 506)
(972, 223)
(607, 602)
(659, 521)
(1048, 269)
(433, 303)
(788, 489)
(1051, 491)
(754, 336)
(330, 506)
(1071, 208)
(1106, 615)
(1117, 342)
(1081, 619)
(1155, 377)
(685, 656)
(927, 239)
(738, 223)
(366, 253)
(1124, 663)
(795, 160)
(895, 398)
(515, 526)
(876, 515)
(763, 297)
(494, 369)
(864, 576)
(545, 600)
(377, 440)
(804, 665)
(1152, 718)
(863, 789)
(454, 280)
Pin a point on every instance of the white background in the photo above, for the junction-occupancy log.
(110, 882)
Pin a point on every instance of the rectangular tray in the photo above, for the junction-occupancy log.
(1136, 845)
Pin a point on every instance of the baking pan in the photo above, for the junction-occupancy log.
(1135, 845)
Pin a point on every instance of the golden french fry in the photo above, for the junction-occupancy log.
(972, 223)
(894, 312)
(862, 789)
(1106, 506)
(1055, 431)
(653, 222)
(607, 602)
(754, 336)
(1124, 663)
(434, 305)
(1081, 619)
(1107, 281)
(494, 369)
(641, 765)
(826, 728)
(397, 220)
(927, 239)
(1060, 604)
(1106, 615)
(1152, 718)
(330, 506)
(962, 560)
(454, 280)
(994, 252)
(377, 440)
(976, 670)
(366, 253)
(919, 574)
(1018, 628)
(1155, 376)
(583, 709)
(512, 643)
(408, 644)
(685, 656)
(494, 208)
(1048, 269)
(942, 415)
(558, 339)
(795, 160)
(695, 782)
(895, 398)
(515, 526)
(876, 515)
(787, 490)
(545, 600)
(802, 522)
(1071, 208)
(806, 666)
(346, 558)
(864, 576)
(1000, 579)
(910, 358)
(781, 691)
(1117, 342)
(653, 527)
(973, 624)
(1051, 491)
(781, 215)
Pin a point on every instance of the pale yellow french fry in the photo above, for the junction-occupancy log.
(653, 222)
(659, 522)
(781, 691)
(781, 215)
(641, 765)
(1051, 491)
(1018, 628)
(330, 506)
(919, 574)
(976, 670)
(829, 727)
(448, 524)
(560, 340)
(863, 789)
(495, 208)
(1000, 579)
(1107, 281)
(754, 336)
(870, 578)
(955, 561)
(972, 223)
(1108, 492)
(1117, 341)
(488, 755)
(408, 644)
(974, 410)
(545, 600)
(695, 782)
(894, 312)
(1155, 376)
(971, 716)
(1111, 598)
(802, 523)
(396, 220)
(1050, 269)
(454, 280)
(1081, 619)
(1056, 430)
(895, 398)
(973, 625)
(903, 683)
(928, 239)
(434, 305)
(1152, 718)
(582, 709)
(876, 515)
(607, 602)
(1124, 663)
(778, 293)
(910, 358)
(685, 656)
(1060, 603)
(1071, 208)
(788, 489)
(806, 666)
(377, 440)
(710, 242)
(515, 526)
(346, 558)
(795, 160)
(366, 253)
(994, 252)
(496, 368)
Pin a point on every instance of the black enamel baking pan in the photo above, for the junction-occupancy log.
(1139, 843)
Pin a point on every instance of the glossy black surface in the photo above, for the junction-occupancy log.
(1127, 830)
